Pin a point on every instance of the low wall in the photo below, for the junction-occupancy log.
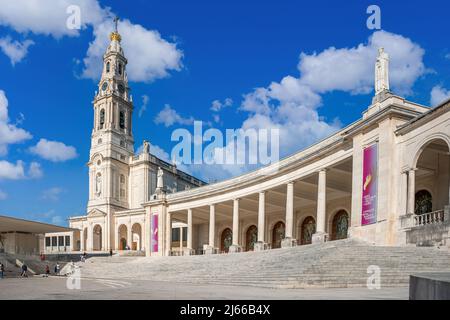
(429, 286)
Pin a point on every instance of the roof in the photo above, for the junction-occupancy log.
(10, 224)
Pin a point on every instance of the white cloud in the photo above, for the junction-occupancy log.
(58, 220)
(3, 195)
(149, 56)
(35, 171)
(15, 50)
(52, 194)
(54, 151)
(143, 108)
(217, 105)
(9, 133)
(438, 95)
(352, 69)
(169, 117)
(48, 17)
(11, 171)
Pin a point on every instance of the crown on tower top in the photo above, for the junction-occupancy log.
(115, 34)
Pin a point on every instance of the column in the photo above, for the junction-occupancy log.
(181, 240)
(168, 244)
(82, 248)
(411, 190)
(260, 244)
(289, 240)
(90, 238)
(129, 236)
(321, 235)
(235, 246)
(189, 232)
(210, 248)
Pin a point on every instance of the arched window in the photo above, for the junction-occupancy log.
(278, 234)
(308, 229)
(108, 66)
(423, 202)
(120, 68)
(340, 225)
(102, 118)
(122, 120)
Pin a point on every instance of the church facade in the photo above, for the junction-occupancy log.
(384, 179)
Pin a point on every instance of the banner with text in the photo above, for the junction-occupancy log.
(154, 238)
(370, 185)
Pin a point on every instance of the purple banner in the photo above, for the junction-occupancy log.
(370, 185)
(154, 233)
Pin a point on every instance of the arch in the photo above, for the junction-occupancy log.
(425, 143)
(226, 240)
(122, 235)
(339, 227)
(423, 202)
(308, 228)
(97, 244)
(251, 236)
(278, 234)
(136, 235)
(122, 120)
(108, 66)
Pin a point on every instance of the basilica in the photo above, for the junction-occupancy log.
(384, 179)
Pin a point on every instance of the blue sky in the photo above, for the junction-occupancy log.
(213, 50)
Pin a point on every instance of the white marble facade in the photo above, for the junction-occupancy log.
(314, 195)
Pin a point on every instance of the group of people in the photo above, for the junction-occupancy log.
(57, 270)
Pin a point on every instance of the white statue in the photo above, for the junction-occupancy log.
(98, 185)
(160, 181)
(382, 72)
(146, 147)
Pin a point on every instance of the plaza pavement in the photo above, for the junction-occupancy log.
(91, 289)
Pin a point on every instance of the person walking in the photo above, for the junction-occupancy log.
(110, 252)
(47, 271)
(57, 268)
(24, 270)
(2, 270)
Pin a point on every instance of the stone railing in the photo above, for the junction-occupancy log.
(429, 218)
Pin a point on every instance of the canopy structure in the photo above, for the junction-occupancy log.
(10, 224)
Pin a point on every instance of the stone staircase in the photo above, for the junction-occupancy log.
(337, 264)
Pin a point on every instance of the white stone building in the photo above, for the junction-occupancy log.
(384, 179)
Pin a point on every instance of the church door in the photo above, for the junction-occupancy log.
(251, 238)
(226, 240)
(278, 234)
(308, 229)
(340, 225)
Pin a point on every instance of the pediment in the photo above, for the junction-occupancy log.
(96, 213)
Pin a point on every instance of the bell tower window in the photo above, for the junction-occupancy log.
(122, 120)
(102, 118)
(107, 66)
(120, 68)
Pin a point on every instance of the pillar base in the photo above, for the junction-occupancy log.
(288, 242)
(319, 237)
(235, 248)
(188, 252)
(260, 246)
(209, 249)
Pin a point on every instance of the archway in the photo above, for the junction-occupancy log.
(423, 202)
(136, 233)
(278, 233)
(97, 238)
(340, 225)
(308, 228)
(226, 240)
(122, 235)
(432, 177)
(251, 237)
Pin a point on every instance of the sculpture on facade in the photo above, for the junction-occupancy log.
(146, 147)
(160, 181)
(382, 72)
(98, 185)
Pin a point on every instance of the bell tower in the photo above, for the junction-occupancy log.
(112, 141)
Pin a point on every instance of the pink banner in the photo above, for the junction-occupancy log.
(154, 232)
(370, 185)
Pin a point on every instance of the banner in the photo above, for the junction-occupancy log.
(154, 233)
(370, 185)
